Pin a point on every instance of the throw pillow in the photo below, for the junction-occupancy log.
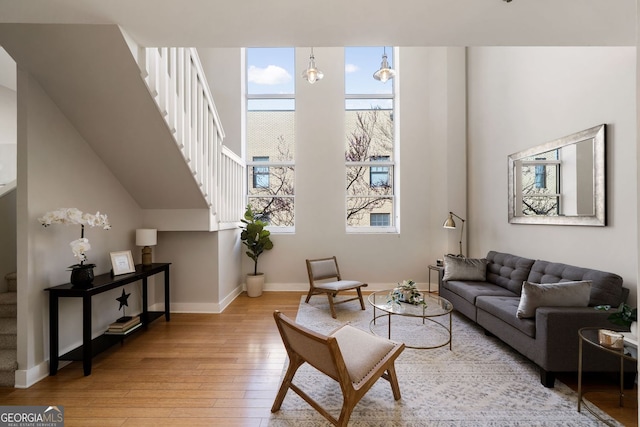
(461, 268)
(563, 294)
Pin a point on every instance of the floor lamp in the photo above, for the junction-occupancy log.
(451, 224)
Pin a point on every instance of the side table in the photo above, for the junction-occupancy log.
(590, 336)
(437, 269)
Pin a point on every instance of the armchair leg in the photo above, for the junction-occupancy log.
(286, 383)
(393, 380)
(360, 297)
(309, 296)
(331, 306)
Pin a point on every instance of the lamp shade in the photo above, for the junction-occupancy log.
(146, 237)
(312, 74)
(385, 72)
(449, 222)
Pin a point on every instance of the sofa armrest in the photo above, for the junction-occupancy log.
(557, 331)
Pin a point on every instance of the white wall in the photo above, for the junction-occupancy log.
(57, 168)
(223, 68)
(7, 135)
(522, 97)
(195, 275)
(7, 237)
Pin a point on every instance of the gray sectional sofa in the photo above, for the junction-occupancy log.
(550, 337)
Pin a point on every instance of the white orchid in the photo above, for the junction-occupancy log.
(73, 216)
(79, 247)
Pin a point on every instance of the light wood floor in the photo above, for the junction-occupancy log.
(197, 370)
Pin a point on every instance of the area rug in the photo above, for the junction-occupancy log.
(479, 382)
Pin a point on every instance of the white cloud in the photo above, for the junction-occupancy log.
(350, 68)
(272, 75)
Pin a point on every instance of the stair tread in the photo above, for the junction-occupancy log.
(8, 297)
(8, 360)
(8, 326)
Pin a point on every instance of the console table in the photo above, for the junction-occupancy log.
(101, 283)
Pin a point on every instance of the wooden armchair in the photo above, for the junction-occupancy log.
(339, 355)
(321, 271)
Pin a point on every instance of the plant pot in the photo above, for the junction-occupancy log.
(255, 283)
(82, 277)
(634, 329)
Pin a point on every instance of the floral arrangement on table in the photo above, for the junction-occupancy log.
(73, 216)
(406, 291)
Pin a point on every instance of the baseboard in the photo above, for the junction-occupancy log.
(25, 378)
(189, 307)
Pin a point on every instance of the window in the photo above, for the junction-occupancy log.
(270, 131)
(379, 175)
(379, 219)
(260, 173)
(370, 143)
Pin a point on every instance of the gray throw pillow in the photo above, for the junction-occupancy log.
(461, 268)
(563, 294)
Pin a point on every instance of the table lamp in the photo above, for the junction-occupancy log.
(146, 237)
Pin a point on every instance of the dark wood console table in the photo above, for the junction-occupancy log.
(101, 283)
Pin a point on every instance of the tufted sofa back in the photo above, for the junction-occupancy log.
(507, 270)
(606, 288)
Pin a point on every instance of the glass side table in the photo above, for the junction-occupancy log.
(437, 269)
(590, 337)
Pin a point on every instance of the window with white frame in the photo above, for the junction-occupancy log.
(379, 219)
(371, 146)
(270, 135)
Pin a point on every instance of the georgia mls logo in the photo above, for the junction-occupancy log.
(31, 416)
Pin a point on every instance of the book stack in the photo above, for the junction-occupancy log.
(124, 325)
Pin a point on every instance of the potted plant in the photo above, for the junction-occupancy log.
(257, 240)
(626, 316)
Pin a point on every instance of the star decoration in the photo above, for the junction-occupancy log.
(123, 299)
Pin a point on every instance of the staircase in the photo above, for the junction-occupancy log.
(8, 333)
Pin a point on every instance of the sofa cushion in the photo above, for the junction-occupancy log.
(471, 290)
(606, 288)
(508, 271)
(461, 268)
(505, 308)
(565, 294)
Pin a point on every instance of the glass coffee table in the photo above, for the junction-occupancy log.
(421, 326)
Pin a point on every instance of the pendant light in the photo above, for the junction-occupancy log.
(385, 72)
(312, 74)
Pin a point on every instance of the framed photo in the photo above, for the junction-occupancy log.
(122, 262)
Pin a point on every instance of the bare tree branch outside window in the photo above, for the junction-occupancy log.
(274, 204)
(370, 139)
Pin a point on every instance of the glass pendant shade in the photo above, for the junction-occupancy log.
(312, 74)
(385, 72)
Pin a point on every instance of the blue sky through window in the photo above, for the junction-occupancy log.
(272, 70)
(360, 64)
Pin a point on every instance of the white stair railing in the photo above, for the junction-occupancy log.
(177, 82)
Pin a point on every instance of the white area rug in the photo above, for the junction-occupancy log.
(480, 382)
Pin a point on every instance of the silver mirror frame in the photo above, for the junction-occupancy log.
(596, 133)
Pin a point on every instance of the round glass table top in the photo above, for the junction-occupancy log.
(433, 305)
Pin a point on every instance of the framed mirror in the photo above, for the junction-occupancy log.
(561, 182)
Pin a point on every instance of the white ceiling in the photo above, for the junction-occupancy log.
(239, 23)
